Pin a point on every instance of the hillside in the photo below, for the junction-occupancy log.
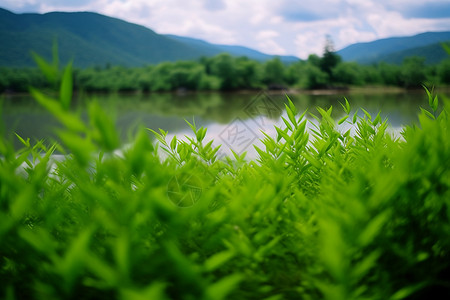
(395, 49)
(94, 39)
(233, 50)
(433, 54)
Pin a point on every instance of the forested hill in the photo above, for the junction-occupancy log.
(94, 39)
(394, 50)
(233, 50)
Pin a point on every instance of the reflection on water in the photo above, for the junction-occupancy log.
(233, 119)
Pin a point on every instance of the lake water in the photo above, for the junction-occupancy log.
(235, 120)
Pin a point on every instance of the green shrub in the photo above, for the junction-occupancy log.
(322, 214)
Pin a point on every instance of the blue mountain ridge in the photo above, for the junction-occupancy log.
(398, 48)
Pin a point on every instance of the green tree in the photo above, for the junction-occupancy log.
(329, 59)
(294, 72)
(443, 71)
(249, 73)
(160, 77)
(224, 67)
(274, 72)
(186, 74)
(314, 78)
(348, 73)
(370, 74)
(314, 60)
(413, 71)
(144, 79)
(390, 74)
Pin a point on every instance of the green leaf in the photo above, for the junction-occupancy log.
(73, 261)
(66, 87)
(427, 113)
(217, 260)
(283, 134)
(40, 240)
(407, 291)
(369, 117)
(377, 120)
(372, 229)
(326, 116)
(435, 103)
(136, 154)
(288, 125)
(333, 249)
(162, 132)
(430, 97)
(102, 270)
(355, 117)
(80, 148)
(446, 47)
(342, 120)
(156, 290)
(173, 143)
(22, 203)
(25, 143)
(292, 106)
(122, 253)
(291, 115)
(49, 71)
(313, 161)
(346, 107)
(72, 122)
(220, 289)
(208, 146)
(201, 133)
(104, 129)
(193, 127)
(365, 265)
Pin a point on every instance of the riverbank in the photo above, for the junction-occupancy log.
(354, 90)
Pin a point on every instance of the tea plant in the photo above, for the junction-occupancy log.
(322, 214)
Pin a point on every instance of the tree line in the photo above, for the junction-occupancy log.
(227, 73)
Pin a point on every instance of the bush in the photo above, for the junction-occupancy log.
(321, 214)
(443, 71)
(413, 72)
(348, 73)
(313, 78)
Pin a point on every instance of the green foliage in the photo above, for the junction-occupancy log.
(329, 59)
(348, 73)
(413, 72)
(225, 72)
(313, 78)
(330, 210)
(274, 72)
(444, 71)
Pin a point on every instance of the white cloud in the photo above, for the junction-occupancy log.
(270, 46)
(351, 35)
(308, 43)
(267, 34)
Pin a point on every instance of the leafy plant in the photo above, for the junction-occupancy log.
(324, 213)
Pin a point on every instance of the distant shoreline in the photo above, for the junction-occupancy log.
(290, 91)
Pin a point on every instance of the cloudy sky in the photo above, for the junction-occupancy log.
(282, 27)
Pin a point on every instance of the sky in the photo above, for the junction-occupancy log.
(281, 27)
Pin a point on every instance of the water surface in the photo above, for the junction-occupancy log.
(235, 120)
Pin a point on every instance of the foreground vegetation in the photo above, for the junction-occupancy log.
(224, 72)
(322, 214)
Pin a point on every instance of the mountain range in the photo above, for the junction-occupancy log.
(395, 49)
(93, 39)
